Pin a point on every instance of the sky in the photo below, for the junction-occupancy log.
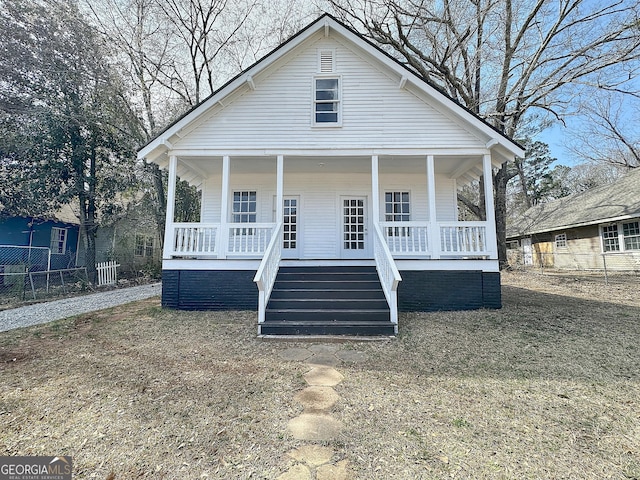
(554, 136)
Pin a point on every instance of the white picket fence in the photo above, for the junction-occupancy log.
(107, 273)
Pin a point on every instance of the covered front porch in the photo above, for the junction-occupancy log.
(333, 207)
(393, 211)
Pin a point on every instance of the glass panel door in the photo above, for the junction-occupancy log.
(290, 227)
(354, 227)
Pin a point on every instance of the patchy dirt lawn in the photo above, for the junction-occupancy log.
(548, 387)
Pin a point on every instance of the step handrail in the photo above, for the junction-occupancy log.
(268, 270)
(387, 272)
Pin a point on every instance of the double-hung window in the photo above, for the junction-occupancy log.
(244, 210)
(144, 245)
(621, 236)
(610, 241)
(631, 233)
(58, 244)
(397, 209)
(244, 207)
(327, 101)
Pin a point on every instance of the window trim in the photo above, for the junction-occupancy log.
(620, 239)
(634, 236)
(58, 241)
(314, 102)
(233, 212)
(561, 240)
(397, 231)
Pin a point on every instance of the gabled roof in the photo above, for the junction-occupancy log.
(162, 143)
(608, 203)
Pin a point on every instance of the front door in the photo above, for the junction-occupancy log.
(291, 227)
(355, 239)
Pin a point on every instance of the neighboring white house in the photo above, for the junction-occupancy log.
(329, 164)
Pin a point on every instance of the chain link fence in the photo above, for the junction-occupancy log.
(607, 265)
(25, 274)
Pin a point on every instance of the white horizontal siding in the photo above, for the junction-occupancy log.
(278, 114)
(446, 199)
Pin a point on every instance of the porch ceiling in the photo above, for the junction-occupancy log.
(452, 166)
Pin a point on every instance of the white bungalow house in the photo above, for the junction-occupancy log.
(329, 175)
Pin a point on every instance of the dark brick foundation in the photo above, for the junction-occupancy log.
(428, 291)
(419, 291)
(209, 290)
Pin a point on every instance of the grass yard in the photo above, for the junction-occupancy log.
(546, 388)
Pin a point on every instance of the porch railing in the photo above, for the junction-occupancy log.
(195, 239)
(403, 239)
(406, 238)
(387, 271)
(268, 270)
(249, 238)
(464, 238)
(205, 239)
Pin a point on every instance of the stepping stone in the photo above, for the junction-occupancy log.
(297, 472)
(314, 427)
(324, 348)
(323, 359)
(351, 356)
(339, 471)
(323, 377)
(317, 398)
(312, 455)
(295, 354)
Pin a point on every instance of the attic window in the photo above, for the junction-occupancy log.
(326, 101)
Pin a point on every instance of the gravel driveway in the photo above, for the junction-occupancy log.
(68, 307)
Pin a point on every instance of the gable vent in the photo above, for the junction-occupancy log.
(327, 61)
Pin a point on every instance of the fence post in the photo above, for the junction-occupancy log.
(33, 289)
(604, 263)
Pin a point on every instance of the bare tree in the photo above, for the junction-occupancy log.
(608, 132)
(205, 28)
(508, 60)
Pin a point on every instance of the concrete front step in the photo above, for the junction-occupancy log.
(328, 304)
(319, 293)
(310, 283)
(353, 328)
(327, 301)
(327, 315)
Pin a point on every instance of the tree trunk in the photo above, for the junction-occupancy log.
(500, 201)
(160, 207)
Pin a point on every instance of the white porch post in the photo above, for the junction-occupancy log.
(490, 212)
(171, 202)
(434, 230)
(279, 188)
(224, 207)
(375, 189)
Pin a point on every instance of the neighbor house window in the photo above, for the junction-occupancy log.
(144, 245)
(397, 209)
(58, 244)
(631, 233)
(244, 207)
(561, 240)
(326, 102)
(610, 241)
